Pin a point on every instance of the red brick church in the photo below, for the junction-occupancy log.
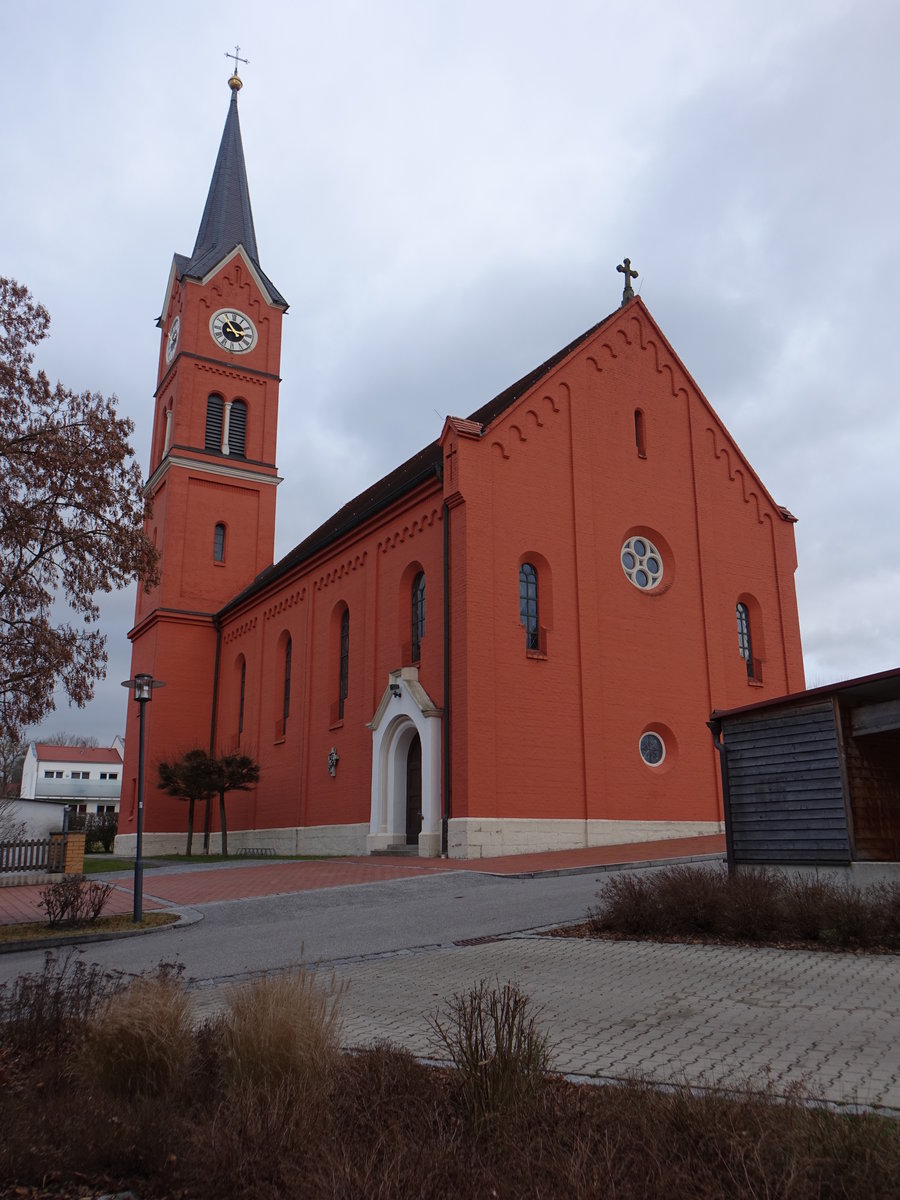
(512, 641)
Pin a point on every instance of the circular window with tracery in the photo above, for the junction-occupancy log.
(653, 749)
(642, 563)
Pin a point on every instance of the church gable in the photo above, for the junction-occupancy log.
(626, 347)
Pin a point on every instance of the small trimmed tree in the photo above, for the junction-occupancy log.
(192, 777)
(233, 773)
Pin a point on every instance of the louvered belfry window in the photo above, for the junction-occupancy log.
(237, 429)
(214, 424)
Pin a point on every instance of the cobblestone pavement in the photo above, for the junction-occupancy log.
(704, 1015)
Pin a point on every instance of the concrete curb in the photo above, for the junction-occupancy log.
(186, 916)
(640, 865)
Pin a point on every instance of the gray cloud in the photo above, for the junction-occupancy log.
(443, 195)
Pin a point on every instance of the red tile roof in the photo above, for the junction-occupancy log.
(47, 752)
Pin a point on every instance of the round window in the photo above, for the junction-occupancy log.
(642, 563)
(653, 749)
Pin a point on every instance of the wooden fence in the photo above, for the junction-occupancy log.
(38, 854)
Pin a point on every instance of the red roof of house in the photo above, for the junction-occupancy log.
(79, 754)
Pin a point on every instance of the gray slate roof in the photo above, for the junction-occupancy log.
(227, 219)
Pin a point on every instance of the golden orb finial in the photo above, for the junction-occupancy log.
(235, 82)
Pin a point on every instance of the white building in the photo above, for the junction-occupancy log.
(87, 778)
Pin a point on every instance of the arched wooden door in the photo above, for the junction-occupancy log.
(414, 791)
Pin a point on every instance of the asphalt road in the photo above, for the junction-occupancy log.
(335, 924)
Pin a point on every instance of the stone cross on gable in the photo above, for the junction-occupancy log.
(625, 268)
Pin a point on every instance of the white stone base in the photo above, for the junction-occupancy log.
(430, 845)
(317, 839)
(482, 837)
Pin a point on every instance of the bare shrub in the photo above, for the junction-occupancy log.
(688, 899)
(500, 1057)
(280, 1026)
(74, 900)
(42, 1013)
(12, 828)
(628, 904)
(750, 903)
(141, 1042)
(806, 906)
(754, 904)
(849, 918)
(885, 899)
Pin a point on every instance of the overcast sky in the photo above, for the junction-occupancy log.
(443, 191)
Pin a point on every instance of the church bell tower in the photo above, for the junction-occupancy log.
(212, 476)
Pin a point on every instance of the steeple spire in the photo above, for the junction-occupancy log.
(227, 219)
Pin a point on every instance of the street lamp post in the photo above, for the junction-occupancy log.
(142, 686)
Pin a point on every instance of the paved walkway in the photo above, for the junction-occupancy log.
(704, 1015)
(175, 885)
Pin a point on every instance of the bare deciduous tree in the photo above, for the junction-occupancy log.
(71, 522)
(12, 760)
(71, 739)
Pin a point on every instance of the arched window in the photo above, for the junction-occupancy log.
(241, 698)
(418, 615)
(286, 705)
(219, 543)
(528, 605)
(640, 439)
(745, 644)
(344, 669)
(237, 429)
(214, 424)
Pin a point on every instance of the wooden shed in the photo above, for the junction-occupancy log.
(814, 777)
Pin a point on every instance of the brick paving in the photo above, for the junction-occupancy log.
(191, 883)
(705, 1015)
(702, 1015)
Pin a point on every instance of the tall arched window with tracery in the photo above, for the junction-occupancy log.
(528, 605)
(219, 543)
(241, 696)
(745, 642)
(286, 703)
(344, 668)
(418, 615)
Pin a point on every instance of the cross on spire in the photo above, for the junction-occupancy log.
(625, 268)
(237, 59)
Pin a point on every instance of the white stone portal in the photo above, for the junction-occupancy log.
(405, 710)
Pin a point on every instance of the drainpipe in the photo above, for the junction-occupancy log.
(445, 818)
(715, 728)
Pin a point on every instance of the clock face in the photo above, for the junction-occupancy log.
(232, 330)
(172, 339)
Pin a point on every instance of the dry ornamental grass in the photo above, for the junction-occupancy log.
(260, 1103)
